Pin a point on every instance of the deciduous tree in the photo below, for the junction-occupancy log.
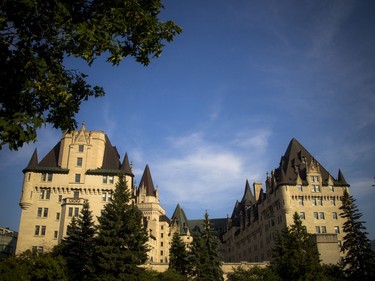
(359, 260)
(36, 36)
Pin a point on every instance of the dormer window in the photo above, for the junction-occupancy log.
(314, 179)
(81, 147)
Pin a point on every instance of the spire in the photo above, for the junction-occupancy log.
(147, 183)
(32, 163)
(248, 197)
(125, 166)
(179, 218)
(341, 181)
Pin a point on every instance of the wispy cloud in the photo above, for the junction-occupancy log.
(200, 174)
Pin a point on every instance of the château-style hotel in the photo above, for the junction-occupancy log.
(84, 165)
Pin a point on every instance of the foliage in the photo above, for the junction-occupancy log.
(333, 272)
(77, 248)
(169, 275)
(178, 255)
(359, 261)
(121, 239)
(205, 256)
(35, 38)
(295, 255)
(255, 273)
(32, 265)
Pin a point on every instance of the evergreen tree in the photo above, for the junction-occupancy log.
(77, 248)
(256, 273)
(121, 240)
(295, 255)
(178, 255)
(205, 256)
(359, 261)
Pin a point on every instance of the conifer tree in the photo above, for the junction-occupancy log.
(205, 256)
(77, 248)
(295, 255)
(121, 241)
(359, 261)
(178, 255)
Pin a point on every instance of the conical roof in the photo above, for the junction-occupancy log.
(179, 218)
(32, 163)
(248, 197)
(125, 166)
(147, 182)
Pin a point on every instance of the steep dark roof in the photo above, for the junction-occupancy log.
(295, 163)
(164, 218)
(341, 181)
(248, 197)
(146, 181)
(125, 166)
(50, 163)
(52, 158)
(218, 226)
(111, 158)
(32, 163)
(179, 218)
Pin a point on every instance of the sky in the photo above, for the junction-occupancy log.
(222, 103)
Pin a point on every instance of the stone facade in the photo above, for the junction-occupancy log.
(300, 184)
(84, 166)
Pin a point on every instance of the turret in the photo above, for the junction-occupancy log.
(27, 190)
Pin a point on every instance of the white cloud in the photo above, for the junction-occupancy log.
(204, 175)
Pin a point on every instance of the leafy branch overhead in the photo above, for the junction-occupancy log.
(36, 37)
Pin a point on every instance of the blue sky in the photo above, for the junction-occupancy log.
(225, 98)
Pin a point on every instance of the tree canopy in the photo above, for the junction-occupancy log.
(359, 260)
(178, 255)
(295, 255)
(36, 36)
(78, 247)
(121, 240)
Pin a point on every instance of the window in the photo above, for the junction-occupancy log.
(43, 232)
(60, 198)
(321, 215)
(76, 195)
(104, 196)
(39, 214)
(70, 213)
(162, 227)
(316, 215)
(79, 162)
(161, 252)
(302, 215)
(45, 213)
(337, 229)
(162, 235)
(37, 229)
(300, 187)
(76, 212)
(57, 216)
(45, 194)
(47, 176)
(319, 201)
(317, 229)
(300, 200)
(81, 148)
(109, 196)
(55, 234)
(314, 178)
(324, 229)
(110, 179)
(315, 188)
(331, 188)
(105, 178)
(333, 201)
(161, 244)
(78, 178)
(334, 215)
